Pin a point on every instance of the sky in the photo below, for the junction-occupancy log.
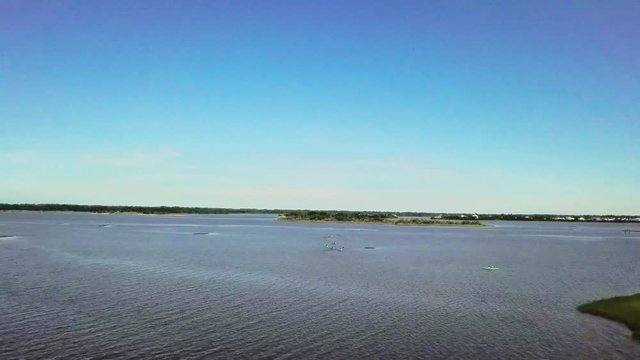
(436, 106)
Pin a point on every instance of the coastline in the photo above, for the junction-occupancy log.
(123, 213)
(389, 222)
(342, 215)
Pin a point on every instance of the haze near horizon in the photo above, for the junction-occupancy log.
(457, 106)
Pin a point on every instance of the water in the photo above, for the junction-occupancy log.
(126, 286)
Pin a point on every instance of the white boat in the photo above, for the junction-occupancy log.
(491, 268)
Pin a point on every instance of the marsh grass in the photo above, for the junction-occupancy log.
(624, 309)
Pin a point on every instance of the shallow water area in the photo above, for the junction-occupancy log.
(249, 286)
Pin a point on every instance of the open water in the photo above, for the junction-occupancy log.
(247, 286)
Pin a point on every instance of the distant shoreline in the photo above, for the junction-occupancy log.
(92, 212)
(371, 218)
(179, 210)
(443, 224)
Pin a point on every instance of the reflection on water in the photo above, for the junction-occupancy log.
(158, 286)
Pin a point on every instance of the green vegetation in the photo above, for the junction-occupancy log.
(405, 221)
(334, 216)
(367, 217)
(624, 309)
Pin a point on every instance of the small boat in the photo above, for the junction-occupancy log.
(491, 268)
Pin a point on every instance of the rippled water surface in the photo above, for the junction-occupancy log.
(126, 286)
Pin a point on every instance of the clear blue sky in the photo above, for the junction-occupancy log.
(487, 106)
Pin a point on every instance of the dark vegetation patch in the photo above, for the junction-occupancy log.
(623, 309)
(368, 217)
